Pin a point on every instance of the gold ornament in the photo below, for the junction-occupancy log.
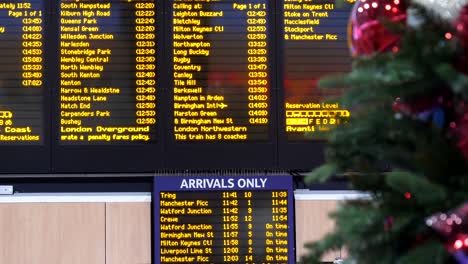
(448, 10)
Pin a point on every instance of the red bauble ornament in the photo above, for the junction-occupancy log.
(408, 195)
(461, 27)
(366, 34)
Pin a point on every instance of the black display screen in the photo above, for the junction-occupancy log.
(315, 45)
(224, 220)
(221, 73)
(139, 86)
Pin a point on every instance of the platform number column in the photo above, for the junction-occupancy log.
(248, 219)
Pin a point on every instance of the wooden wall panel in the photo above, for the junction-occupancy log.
(128, 233)
(111, 233)
(312, 223)
(52, 233)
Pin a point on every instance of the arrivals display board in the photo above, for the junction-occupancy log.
(228, 219)
(136, 86)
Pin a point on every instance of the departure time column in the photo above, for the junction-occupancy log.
(145, 28)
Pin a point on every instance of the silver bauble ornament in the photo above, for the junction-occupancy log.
(448, 10)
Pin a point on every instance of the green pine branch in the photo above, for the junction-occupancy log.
(410, 166)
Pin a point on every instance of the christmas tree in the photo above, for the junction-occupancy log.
(406, 143)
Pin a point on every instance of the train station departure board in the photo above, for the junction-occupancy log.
(21, 73)
(91, 86)
(315, 45)
(107, 71)
(224, 219)
(221, 74)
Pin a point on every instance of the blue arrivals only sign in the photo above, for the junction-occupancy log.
(224, 219)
